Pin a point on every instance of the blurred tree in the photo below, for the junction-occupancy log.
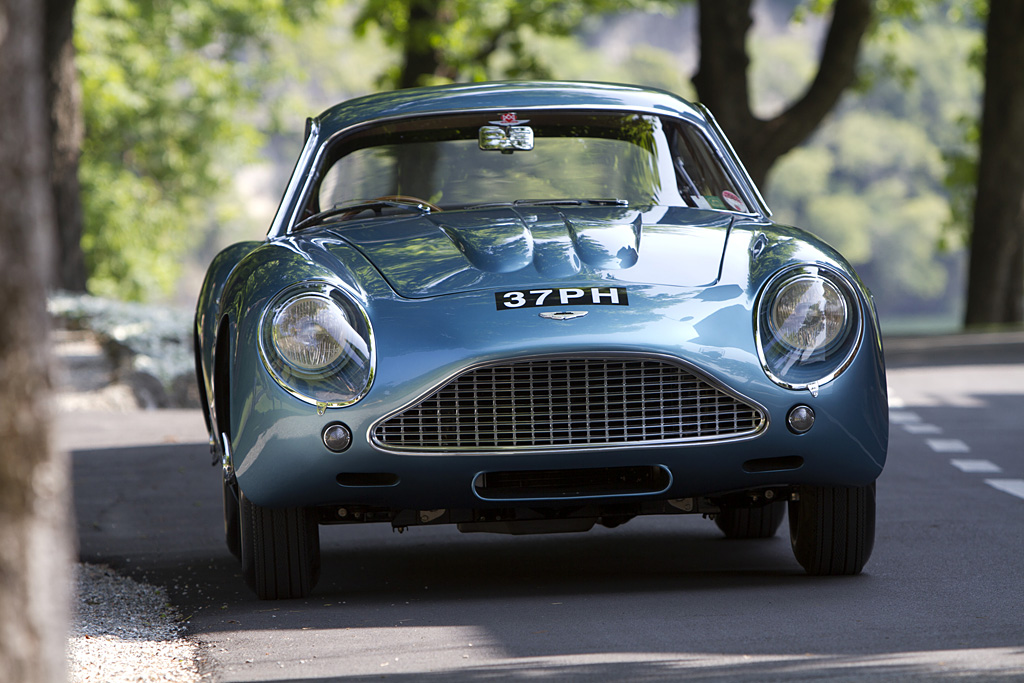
(64, 101)
(871, 180)
(34, 552)
(995, 288)
(168, 87)
(441, 41)
(722, 79)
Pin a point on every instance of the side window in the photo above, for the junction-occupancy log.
(364, 173)
(702, 180)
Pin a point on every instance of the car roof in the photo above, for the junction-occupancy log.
(508, 95)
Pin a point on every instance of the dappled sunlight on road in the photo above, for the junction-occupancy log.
(959, 386)
(466, 653)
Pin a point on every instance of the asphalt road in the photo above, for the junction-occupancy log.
(658, 599)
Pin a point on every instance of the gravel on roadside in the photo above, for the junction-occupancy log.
(123, 631)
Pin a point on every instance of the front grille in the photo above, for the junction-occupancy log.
(569, 402)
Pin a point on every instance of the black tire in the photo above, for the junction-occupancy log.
(758, 522)
(280, 550)
(832, 528)
(232, 534)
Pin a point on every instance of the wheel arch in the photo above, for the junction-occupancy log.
(222, 379)
(204, 399)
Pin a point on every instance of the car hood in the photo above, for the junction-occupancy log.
(516, 248)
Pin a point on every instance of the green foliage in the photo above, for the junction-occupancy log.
(462, 36)
(166, 85)
(782, 65)
(874, 181)
(171, 86)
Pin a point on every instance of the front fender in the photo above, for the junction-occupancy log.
(207, 320)
(260, 276)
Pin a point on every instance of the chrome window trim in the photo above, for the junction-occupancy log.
(701, 119)
(284, 219)
(735, 161)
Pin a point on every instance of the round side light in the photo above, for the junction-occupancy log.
(800, 419)
(337, 437)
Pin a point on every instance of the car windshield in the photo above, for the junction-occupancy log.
(483, 159)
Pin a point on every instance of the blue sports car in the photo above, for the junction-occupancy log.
(531, 308)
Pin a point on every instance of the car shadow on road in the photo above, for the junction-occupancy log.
(659, 592)
(695, 668)
(155, 513)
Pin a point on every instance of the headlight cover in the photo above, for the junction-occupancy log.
(809, 324)
(317, 344)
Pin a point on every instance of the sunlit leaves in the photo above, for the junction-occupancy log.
(168, 89)
(462, 37)
(873, 182)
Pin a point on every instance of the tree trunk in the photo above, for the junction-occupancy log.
(995, 281)
(67, 130)
(420, 60)
(33, 479)
(721, 80)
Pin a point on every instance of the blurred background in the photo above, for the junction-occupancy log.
(194, 111)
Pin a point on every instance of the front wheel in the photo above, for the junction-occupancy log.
(832, 528)
(757, 522)
(280, 550)
(231, 532)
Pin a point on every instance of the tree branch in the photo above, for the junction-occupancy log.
(837, 71)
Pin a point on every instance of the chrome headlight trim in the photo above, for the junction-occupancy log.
(344, 376)
(787, 362)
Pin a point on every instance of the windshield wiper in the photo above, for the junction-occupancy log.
(347, 210)
(571, 202)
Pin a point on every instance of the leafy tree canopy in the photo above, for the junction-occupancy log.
(166, 85)
(445, 40)
(874, 180)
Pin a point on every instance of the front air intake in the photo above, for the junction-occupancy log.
(567, 403)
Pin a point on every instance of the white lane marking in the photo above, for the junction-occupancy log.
(923, 428)
(912, 424)
(948, 446)
(983, 466)
(902, 417)
(1015, 487)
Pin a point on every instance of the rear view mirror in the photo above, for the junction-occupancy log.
(506, 139)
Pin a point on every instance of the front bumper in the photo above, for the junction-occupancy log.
(279, 457)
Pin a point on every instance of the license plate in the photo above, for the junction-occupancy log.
(562, 296)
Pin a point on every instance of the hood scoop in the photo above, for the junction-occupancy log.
(606, 244)
(558, 246)
(492, 244)
(517, 248)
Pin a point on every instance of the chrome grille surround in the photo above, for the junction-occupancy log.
(570, 402)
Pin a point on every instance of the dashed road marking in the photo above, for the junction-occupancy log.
(913, 424)
(948, 446)
(1015, 487)
(903, 417)
(922, 428)
(979, 466)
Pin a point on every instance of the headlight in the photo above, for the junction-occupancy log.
(316, 342)
(808, 326)
(808, 314)
(311, 333)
